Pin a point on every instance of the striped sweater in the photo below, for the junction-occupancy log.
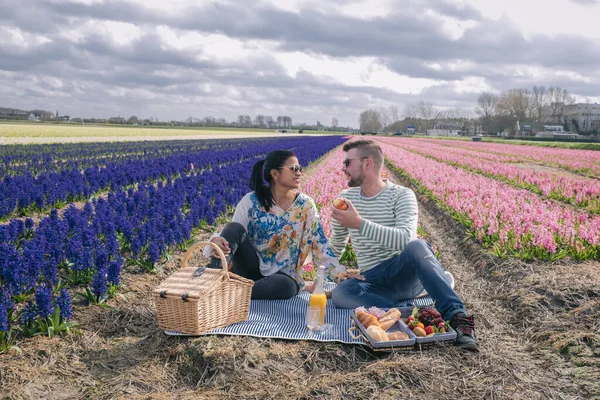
(389, 223)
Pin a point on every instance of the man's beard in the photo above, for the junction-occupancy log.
(356, 182)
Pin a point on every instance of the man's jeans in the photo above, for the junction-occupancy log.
(400, 279)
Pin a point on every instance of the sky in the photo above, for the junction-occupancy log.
(312, 60)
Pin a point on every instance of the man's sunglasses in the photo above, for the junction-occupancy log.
(348, 161)
(294, 167)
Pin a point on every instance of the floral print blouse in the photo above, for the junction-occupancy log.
(283, 239)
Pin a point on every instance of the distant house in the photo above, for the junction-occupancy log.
(116, 120)
(282, 131)
(64, 118)
(33, 117)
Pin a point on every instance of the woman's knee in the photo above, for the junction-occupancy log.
(234, 228)
(275, 287)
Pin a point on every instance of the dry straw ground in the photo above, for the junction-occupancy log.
(538, 325)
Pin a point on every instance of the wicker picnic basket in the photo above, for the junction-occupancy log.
(196, 299)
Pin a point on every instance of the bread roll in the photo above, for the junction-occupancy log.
(389, 319)
(377, 334)
(398, 335)
(367, 319)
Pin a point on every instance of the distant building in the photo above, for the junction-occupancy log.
(116, 120)
(33, 117)
(444, 132)
(553, 128)
(556, 135)
(582, 117)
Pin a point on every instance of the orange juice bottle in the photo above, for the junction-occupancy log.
(318, 297)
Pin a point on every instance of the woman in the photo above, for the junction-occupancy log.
(274, 229)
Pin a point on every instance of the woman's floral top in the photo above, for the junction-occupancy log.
(284, 239)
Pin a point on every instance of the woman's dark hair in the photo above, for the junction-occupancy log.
(261, 172)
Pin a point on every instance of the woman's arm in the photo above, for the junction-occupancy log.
(322, 253)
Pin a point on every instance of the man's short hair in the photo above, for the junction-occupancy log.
(367, 148)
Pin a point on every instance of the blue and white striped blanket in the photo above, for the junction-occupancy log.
(284, 319)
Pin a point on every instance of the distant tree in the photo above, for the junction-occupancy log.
(428, 113)
(370, 121)
(260, 121)
(540, 103)
(486, 109)
(559, 98)
(516, 103)
(334, 123)
(133, 120)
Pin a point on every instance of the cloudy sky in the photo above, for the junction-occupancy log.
(309, 59)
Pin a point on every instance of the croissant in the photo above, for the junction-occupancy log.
(377, 334)
(367, 319)
(398, 335)
(389, 318)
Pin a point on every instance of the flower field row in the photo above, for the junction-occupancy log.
(580, 191)
(35, 159)
(86, 248)
(581, 161)
(20, 195)
(510, 220)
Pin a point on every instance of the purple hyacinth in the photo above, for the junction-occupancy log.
(153, 252)
(114, 271)
(64, 303)
(43, 299)
(29, 313)
(5, 306)
(99, 280)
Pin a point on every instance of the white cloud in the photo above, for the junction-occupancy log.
(304, 58)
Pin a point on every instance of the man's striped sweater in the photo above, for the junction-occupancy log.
(389, 223)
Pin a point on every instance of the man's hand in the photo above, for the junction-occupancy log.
(223, 245)
(349, 218)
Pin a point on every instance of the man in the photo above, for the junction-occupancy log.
(381, 220)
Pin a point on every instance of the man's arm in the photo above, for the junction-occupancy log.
(338, 239)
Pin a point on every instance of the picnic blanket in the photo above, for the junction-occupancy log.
(284, 319)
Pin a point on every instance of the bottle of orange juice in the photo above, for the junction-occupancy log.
(318, 297)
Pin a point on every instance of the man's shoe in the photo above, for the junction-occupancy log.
(465, 332)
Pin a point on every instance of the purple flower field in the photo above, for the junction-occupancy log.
(155, 198)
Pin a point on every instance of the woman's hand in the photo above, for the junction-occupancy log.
(223, 244)
(343, 277)
(310, 287)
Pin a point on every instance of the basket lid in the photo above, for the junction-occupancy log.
(184, 284)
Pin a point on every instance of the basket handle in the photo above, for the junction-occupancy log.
(195, 247)
(354, 328)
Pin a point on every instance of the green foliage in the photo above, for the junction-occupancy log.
(50, 326)
(349, 257)
(7, 340)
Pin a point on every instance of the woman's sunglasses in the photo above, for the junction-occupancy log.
(294, 167)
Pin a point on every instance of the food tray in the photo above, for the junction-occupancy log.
(391, 344)
(438, 337)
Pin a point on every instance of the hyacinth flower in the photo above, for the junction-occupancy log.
(48, 316)
(7, 340)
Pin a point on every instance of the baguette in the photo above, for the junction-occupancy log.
(397, 336)
(377, 334)
(389, 318)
